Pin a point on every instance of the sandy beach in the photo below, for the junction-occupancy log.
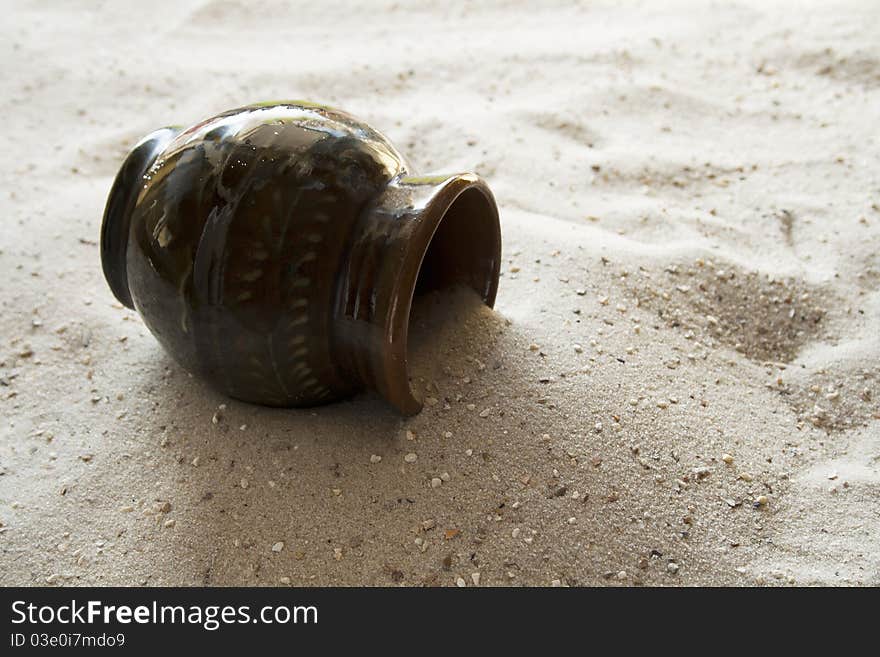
(679, 384)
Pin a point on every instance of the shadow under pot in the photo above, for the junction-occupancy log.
(275, 249)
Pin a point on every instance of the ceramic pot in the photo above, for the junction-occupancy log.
(275, 249)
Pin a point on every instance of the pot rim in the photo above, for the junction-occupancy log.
(398, 389)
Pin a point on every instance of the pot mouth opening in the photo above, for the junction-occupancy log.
(461, 247)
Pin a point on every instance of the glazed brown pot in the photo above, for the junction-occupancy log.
(275, 250)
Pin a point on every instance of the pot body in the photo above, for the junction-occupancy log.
(254, 245)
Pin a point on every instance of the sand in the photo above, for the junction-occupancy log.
(679, 385)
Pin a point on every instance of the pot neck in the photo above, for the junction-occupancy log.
(419, 235)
